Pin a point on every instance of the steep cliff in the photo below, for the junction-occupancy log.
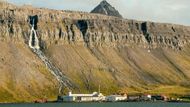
(90, 49)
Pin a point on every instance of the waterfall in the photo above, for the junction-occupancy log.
(33, 41)
(34, 45)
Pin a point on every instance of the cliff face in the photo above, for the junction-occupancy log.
(91, 50)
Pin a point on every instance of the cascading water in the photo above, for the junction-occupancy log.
(33, 41)
(34, 45)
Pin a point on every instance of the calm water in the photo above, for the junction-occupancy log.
(123, 104)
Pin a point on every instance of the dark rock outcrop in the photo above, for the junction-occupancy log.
(105, 8)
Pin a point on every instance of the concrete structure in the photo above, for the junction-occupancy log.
(114, 98)
(95, 96)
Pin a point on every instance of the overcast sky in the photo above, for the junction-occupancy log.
(169, 11)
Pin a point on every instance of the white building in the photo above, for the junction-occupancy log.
(84, 97)
(114, 98)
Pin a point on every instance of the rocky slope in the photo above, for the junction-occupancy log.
(91, 50)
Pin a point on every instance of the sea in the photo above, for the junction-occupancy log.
(117, 104)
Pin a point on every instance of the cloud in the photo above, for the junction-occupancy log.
(170, 11)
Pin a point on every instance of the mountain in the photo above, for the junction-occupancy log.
(80, 51)
(105, 8)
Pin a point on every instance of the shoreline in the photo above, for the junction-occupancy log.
(50, 102)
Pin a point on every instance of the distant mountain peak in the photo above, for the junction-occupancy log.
(104, 2)
(105, 8)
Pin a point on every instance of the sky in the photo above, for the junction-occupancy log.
(165, 11)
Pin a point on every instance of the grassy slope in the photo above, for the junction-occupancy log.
(23, 76)
(132, 70)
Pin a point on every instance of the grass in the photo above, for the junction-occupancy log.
(170, 91)
(173, 91)
(96, 77)
(6, 96)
